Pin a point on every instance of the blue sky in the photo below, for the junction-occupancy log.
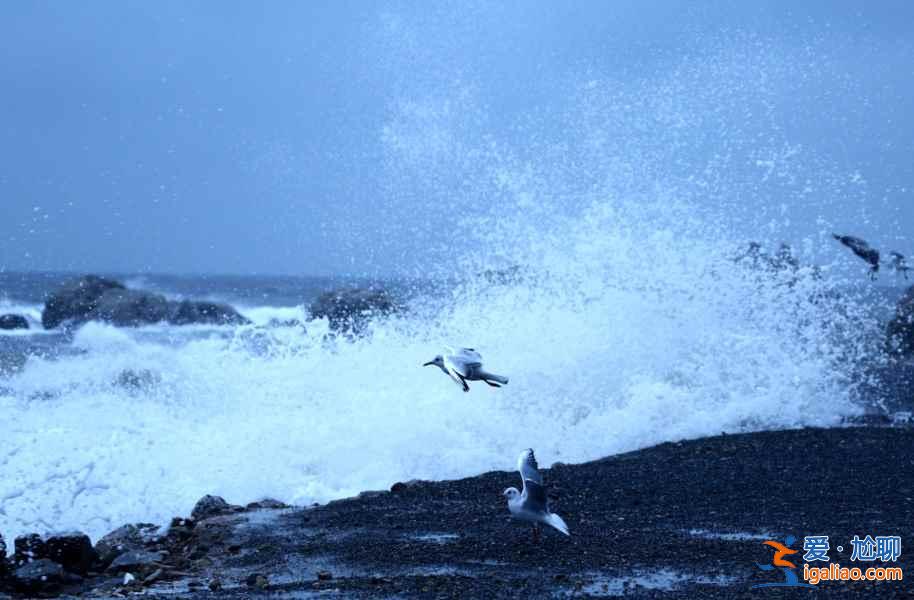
(318, 138)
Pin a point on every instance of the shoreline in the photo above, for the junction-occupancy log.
(680, 519)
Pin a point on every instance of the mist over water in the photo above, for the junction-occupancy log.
(610, 214)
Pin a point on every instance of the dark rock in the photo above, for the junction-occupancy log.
(140, 563)
(75, 300)
(211, 506)
(215, 584)
(94, 298)
(210, 313)
(181, 528)
(137, 379)
(257, 580)
(124, 539)
(324, 575)
(349, 310)
(267, 503)
(73, 551)
(401, 486)
(900, 331)
(39, 576)
(13, 322)
(4, 566)
(130, 308)
(28, 547)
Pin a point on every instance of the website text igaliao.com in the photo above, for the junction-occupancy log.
(835, 572)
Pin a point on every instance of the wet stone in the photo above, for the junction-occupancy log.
(41, 575)
(73, 551)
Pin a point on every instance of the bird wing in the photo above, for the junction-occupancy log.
(854, 243)
(464, 361)
(533, 496)
(527, 467)
(455, 375)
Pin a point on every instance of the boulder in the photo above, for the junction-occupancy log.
(4, 566)
(211, 506)
(130, 308)
(211, 313)
(92, 298)
(28, 547)
(900, 330)
(125, 539)
(349, 310)
(39, 576)
(9, 322)
(140, 563)
(73, 551)
(75, 300)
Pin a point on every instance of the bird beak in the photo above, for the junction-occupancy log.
(428, 364)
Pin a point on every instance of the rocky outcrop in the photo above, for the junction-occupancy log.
(92, 298)
(9, 322)
(130, 308)
(208, 313)
(900, 330)
(211, 506)
(42, 576)
(349, 310)
(129, 538)
(75, 300)
(682, 519)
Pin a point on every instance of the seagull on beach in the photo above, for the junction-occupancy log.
(861, 249)
(464, 365)
(531, 504)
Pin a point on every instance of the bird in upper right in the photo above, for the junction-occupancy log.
(862, 249)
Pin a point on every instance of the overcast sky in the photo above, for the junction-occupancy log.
(325, 137)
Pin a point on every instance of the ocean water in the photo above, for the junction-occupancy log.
(585, 249)
(108, 426)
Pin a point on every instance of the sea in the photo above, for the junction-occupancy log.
(104, 426)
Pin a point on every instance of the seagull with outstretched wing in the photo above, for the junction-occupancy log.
(531, 503)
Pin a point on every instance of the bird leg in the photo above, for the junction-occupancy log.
(536, 533)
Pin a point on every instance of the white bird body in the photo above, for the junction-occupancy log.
(532, 504)
(465, 364)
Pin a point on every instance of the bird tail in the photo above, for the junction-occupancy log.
(836, 236)
(557, 522)
(493, 377)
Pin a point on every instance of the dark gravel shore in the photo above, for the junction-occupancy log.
(684, 520)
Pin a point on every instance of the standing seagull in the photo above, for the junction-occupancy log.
(900, 263)
(465, 365)
(531, 504)
(861, 249)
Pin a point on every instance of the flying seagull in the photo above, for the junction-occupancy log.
(465, 365)
(531, 504)
(900, 263)
(861, 249)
